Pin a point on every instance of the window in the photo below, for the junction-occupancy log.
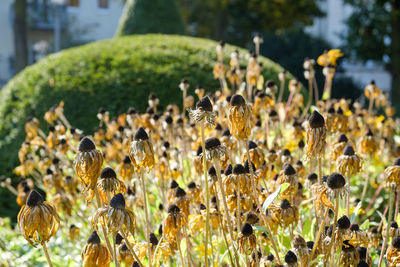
(74, 3)
(102, 3)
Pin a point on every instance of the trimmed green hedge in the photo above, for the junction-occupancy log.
(115, 74)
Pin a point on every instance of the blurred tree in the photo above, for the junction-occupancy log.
(374, 33)
(20, 36)
(235, 20)
(290, 48)
(155, 16)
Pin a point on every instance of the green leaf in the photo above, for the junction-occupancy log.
(355, 212)
(273, 196)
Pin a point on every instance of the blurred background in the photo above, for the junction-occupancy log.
(292, 30)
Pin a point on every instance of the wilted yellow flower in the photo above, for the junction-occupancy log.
(88, 163)
(315, 136)
(115, 217)
(94, 253)
(239, 117)
(38, 219)
(141, 151)
(329, 57)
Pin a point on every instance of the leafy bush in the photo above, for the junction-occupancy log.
(115, 74)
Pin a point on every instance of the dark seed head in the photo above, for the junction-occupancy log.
(290, 257)
(252, 218)
(343, 222)
(169, 120)
(101, 111)
(288, 169)
(394, 225)
(192, 185)
(214, 199)
(34, 199)
(141, 134)
(135, 264)
(342, 138)
(160, 230)
(396, 162)
(354, 227)
(239, 169)
(86, 145)
(49, 171)
(362, 263)
(286, 152)
(131, 111)
(285, 204)
(199, 151)
(312, 177)
(396, 242)
(237, 100)
(348, 151)
(226, 133)
(118, 239)
(179, 192)
(316, 120)
(228, 170)
(269, 83)
(301, 144)
(153, 239)
(205, 104)
(369, 132)
(273, 113)
(336, 181)
(310, 244)
(212, 171)
(270, 257)
(94, 238)
(203, 207)
(211, 143)
(247, 229)
(247, 166)
(252, 145)
(373, 230)
(127, 160)
(173, 184)
(173, 209)
(118, 201)
(362, 251)
(108, 173)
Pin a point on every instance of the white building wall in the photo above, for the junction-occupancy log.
(6, 40)
(101, 23)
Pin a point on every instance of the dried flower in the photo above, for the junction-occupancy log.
(38, 219)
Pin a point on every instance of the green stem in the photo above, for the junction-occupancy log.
(46, 253)
(385, 240)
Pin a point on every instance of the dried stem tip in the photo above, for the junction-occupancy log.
(141, 134)
(118, 201)
(34, 199)
(316, 120)
(211, 143)
(336, 181)
(86, 145)
(205, 104)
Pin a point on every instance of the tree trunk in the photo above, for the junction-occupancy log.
(20, 35)
(395, 54)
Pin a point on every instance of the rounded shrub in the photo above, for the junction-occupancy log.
(114, 74)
